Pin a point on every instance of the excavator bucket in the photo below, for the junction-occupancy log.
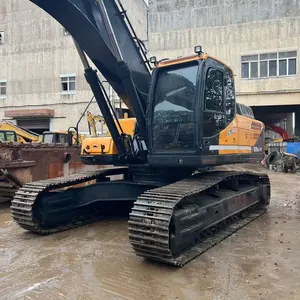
(84, 22)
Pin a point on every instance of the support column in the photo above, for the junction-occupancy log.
(297, 122)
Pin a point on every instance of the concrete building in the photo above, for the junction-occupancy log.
(260, 40)
(42, 77)
(42, 85)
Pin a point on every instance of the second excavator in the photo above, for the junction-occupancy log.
(170, 167)
(15, 133)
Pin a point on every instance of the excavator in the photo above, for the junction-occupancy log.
(8, 136)
(94, 146)
(21, 135)
(10, 132)
(62, 137)
(70, 137)
(92, 123)
(177, 172)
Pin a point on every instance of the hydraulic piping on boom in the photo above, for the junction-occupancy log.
(180, 199)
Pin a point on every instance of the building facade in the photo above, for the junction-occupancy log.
(260, 40)
(42, 84)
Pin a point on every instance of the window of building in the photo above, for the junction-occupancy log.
(1, 37)
(68, 83)
(2, 88)
(250, 66)
(37, 124)
(269, 65)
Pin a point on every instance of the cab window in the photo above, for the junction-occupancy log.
(214, 119)
(229, 96)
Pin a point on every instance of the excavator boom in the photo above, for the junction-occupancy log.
(83, 20)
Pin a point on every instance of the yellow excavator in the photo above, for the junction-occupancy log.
(92, 121)
(10, 132)
(8, 136)
(169, 164)
(70, 137)
(21, 135)
(62, 137)
(103, 145)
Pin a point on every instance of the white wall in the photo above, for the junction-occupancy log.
(227, 30)
(36, 53)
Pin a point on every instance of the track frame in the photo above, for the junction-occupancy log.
(176, 223)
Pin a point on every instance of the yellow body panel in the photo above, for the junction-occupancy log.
(242, 134)
(98, 145)
(128, 126)
(22, 134)
(105, 145)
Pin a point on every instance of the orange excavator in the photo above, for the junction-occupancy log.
(170, 169)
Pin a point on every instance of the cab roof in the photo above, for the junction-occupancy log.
(185, 59)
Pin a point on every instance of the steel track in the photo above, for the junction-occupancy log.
(150, 232)
(26, 198)
(8, 186)
(150, 223)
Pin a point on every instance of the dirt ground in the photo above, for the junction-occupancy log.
(261, 261)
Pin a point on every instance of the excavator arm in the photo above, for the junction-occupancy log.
(23, 135)
(92, 119)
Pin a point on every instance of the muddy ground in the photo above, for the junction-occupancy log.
(261, 261)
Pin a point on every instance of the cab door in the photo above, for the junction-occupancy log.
(218, 107)
(228, 139)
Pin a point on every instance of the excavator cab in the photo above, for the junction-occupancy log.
(22, 135)
(8, 136)
(192, 101)
(51, 137)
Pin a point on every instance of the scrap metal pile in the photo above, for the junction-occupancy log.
(283, 162)
(23, 163)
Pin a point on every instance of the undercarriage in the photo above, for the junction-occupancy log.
(172, 223)
(177, 222)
